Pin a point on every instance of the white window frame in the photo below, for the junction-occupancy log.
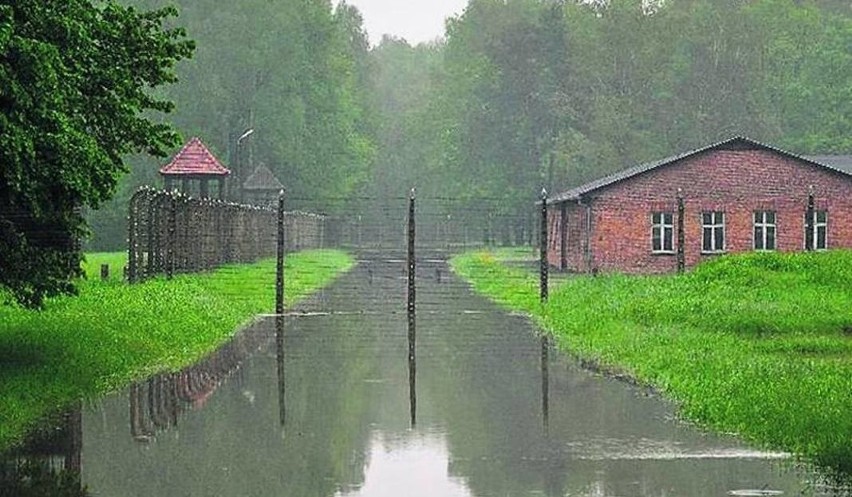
(761, 222)
(816, 227)
(717, 221)
(659, 229)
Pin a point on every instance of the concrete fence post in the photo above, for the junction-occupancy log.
(681, 236)
(543, 283)
(279, 266)
(172, 236)
(809, 221)
(543, 264)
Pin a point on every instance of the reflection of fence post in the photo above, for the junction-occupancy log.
(279, 267)
(279, 356)
(412, 334)
(681, 237)
(543, 248)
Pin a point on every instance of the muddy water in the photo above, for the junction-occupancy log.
(322, 405)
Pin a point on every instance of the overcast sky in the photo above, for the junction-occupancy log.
(415, 20)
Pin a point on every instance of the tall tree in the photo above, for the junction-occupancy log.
(295, 71)
(76, 80)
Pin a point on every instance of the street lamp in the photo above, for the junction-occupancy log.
(238, 180)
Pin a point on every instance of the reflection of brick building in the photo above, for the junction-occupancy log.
(738, 195)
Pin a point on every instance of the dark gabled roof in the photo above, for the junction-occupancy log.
(262, 179)
(737, 141)
(194, 159)
(841, 162)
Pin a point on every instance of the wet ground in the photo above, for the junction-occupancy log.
(326, 402)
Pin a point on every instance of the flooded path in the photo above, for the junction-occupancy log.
(326, 409)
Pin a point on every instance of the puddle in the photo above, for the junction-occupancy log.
(327, 401)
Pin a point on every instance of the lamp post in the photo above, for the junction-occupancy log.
(238, 176)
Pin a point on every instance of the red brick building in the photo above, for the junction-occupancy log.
(735, 196)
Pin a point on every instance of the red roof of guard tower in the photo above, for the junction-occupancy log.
(194, 159)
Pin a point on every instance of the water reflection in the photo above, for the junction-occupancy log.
(409, 467)
(279, 361)
(49, 463)
(459, 411)
(157, 403)
(412, 367)
(545, 382)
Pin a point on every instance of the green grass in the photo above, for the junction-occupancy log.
(757, 344)
(93, 260)
(113, 333)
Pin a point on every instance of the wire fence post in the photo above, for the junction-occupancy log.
(172, 236)
(132, 230)
(545, 345)
(681, 236)
(279, 267)
(543, 265)
(809, 221)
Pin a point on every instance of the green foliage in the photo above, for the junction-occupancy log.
(757, 344)
(113, 333)
(293, 70)
(533, 93)
(76, 82)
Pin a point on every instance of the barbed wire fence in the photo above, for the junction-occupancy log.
(171, 233)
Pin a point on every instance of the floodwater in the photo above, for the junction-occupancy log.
(328, 402)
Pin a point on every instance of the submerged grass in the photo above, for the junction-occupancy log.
(113, 333)
(757, 344)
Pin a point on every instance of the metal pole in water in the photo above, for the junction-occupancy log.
(279, 356)
(279, 266)
(412, 312)
(545, 381)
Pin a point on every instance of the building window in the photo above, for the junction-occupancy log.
(713, 227)
(820, 230)
(764, 230)
(662, 232)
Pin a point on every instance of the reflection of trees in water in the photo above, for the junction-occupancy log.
(157, 403)
(49, 463)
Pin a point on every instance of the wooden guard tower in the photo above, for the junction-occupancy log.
(262, 187)
(195, 162)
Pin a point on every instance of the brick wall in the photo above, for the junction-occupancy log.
(736, 182)
(574, 237)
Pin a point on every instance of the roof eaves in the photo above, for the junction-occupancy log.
(173, 168)
(577, 193)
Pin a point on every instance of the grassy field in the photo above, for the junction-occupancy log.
(113, 333)
(757, 344)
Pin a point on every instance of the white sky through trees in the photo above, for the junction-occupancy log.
(414, 20)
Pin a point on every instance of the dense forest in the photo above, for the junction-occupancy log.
(518, 95)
